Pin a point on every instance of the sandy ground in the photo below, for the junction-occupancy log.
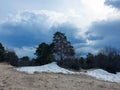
(10, 79)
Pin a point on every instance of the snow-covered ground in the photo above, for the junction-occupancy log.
(54, 68)
(104, 75)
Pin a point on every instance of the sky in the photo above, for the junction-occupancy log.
(88, 24)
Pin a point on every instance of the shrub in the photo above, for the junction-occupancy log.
(69, 64)
(11, 58)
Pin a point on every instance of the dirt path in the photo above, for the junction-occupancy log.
(13, 80)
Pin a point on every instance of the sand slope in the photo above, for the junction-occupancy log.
(10, 79)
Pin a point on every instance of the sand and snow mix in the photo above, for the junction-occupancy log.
(54, 68)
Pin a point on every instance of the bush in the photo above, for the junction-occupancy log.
(11, 58)
(69, 64)
(24, 61)
(44, 54)
(111, 70)
(2, 52)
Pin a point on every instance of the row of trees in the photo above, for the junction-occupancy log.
(62, 51)
(108, 59)
(59, 49)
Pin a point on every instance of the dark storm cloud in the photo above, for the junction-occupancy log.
(70, 31)
(19, 34)
(114, 3)
(109, 30)
(94, 37)
(32, 29)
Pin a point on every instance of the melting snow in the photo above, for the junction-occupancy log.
(104, 75)
(54, 68)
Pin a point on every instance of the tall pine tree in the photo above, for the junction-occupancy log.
(62, 47)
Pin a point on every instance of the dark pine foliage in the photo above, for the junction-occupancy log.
(44, 54)
(24, 61)
(11, 58)
(108, 59)
(62, 47)
(69, 64)
(2, 52)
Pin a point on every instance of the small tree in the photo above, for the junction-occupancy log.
(11, 58)
(90, 60)
(62, 47)
(82, 62)
(44, 54)
(24, 61)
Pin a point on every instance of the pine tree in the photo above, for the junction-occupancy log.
(24, 61)
(62, 47)
(44, 54)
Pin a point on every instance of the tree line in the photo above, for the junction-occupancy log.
(61, 51)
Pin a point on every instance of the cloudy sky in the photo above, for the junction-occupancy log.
(88, 24)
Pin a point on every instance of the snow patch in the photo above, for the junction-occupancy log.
(104, 75)
(52, 67)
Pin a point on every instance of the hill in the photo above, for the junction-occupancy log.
(11, 79)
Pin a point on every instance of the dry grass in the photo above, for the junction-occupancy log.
(10, 79)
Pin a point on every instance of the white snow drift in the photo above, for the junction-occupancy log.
(54, 68)
(104, 75)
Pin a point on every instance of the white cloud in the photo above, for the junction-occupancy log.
(25, 51)
(113, 3)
